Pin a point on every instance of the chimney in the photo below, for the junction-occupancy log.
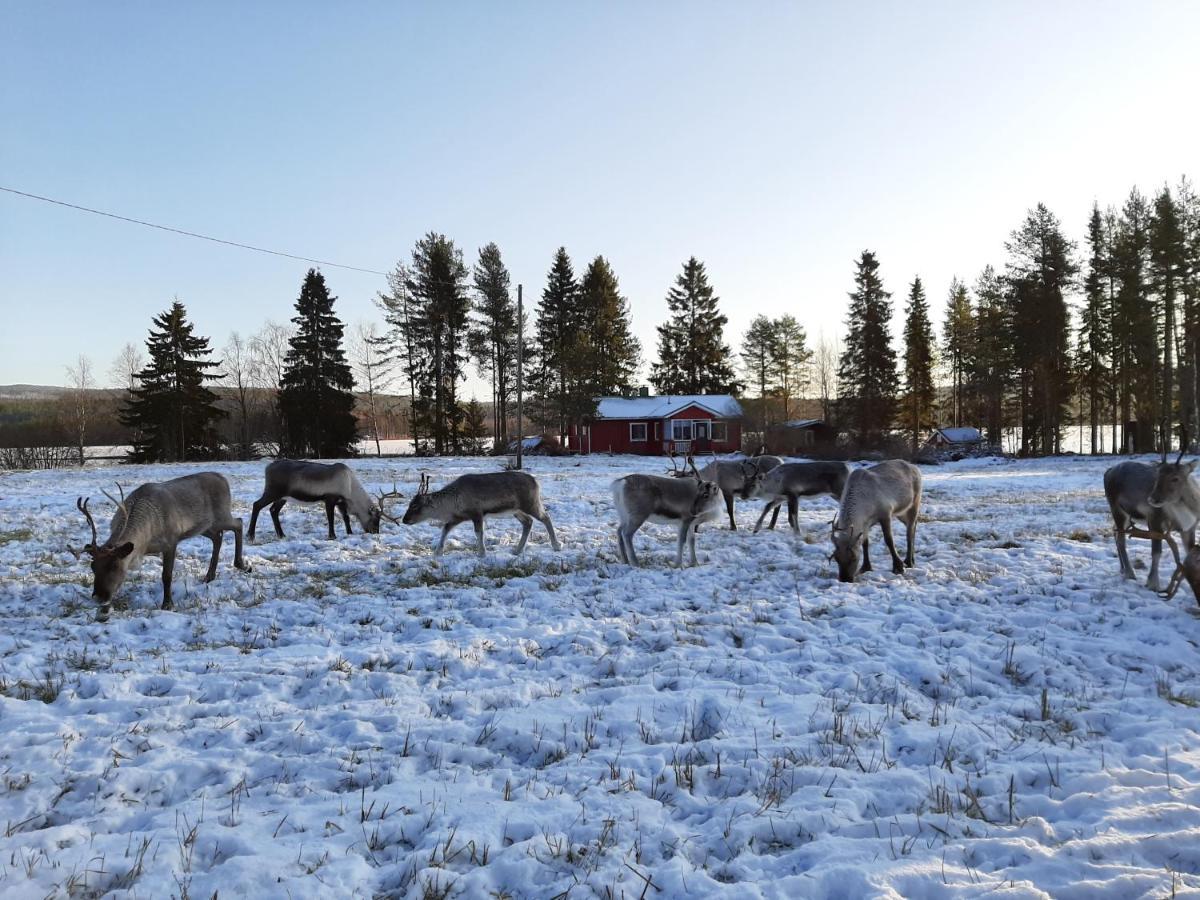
(643, 391)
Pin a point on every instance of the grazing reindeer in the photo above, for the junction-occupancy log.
(683, 501)
(790, 481)
(309, 482)
(734, 477)
(472, 498)
(873, 496)
(153, 520)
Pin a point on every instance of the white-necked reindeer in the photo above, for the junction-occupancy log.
(152, 521)
(872, 496)
(683, 501)
(472, 498)
(734, 477)
(333, 484)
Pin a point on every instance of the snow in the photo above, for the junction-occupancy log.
(720, 405)
(355, 718)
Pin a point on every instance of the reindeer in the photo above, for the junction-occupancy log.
(686, 501)
(790, 481)
(873, 496)
(1163, 496)
(472, 498)
(334, 484)
(152, 521)
(734, 477)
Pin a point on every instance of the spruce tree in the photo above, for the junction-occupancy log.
(316, 397)
(692, 355)
(1094, 326)
(1138, 324)
(867, 376)
(171, 413)
(437, 283)
(1041, 271)
(474, 429)
(493, 336)
(918, 365)
(557, 342)
(1189, 374)
(958, 333)
(608, 354)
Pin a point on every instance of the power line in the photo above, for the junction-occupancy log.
(203, 237)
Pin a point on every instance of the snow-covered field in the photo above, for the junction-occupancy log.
(354, 718)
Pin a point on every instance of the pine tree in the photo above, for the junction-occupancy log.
(867, 376)
(994, 350)
(557, 342)
(474, 430)
(1168, 259)
(919, 394)
(493, 335)
(758, 362)
(608, 354)
(438, 329)
(958, 335)
(1041, 270)
(790, 361)
(316, 397)
(404, 314)
(1189, 374)
(692, 355)
(171, 412)
(1095, 342)
(1137, 327)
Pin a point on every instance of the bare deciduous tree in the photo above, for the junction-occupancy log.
(124, 371)
(825, 365)
(372, 374)
(268, 351)
(77, 405)
(237, 368)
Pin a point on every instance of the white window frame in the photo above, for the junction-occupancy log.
(677, 433)
(714, 425)
(645, 429)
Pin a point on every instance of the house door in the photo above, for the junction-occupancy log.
(700, 435)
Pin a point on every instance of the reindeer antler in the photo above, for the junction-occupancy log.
(120, 504)
(393, 494)
(82, 505)
(424, 488)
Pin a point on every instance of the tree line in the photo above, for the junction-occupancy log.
(1016, 354)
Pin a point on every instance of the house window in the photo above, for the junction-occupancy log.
(637, 431)
(720, 432)
(681, 430)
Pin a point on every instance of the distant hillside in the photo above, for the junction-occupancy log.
(29, 391)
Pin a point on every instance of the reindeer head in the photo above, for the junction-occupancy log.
(847, 551)
(422, 505)
(752, 477)
(110, 562)
(1172, 480)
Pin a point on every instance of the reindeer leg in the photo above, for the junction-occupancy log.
(258, 506)
(168, 566)
(774, 517)
(545, 520)
(692, 544)
(910, 539)
(275, 508)
(897, 563)
(330, 505)
(482, 547)
(217, 537)
(772, 505)
(793, 504)
(235, 525)
(526, 526)
(621, 554)
(1119, 529)
(729, 509)
(866, 563)
(685, 528)
(345, 515)
(1155, 556)
(441, 544)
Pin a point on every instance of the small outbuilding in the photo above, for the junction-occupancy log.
(660, 426)
(963, 438)
(799, 436)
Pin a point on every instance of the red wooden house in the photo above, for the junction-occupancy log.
(658, 426)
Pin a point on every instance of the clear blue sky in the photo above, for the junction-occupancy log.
(774, 141)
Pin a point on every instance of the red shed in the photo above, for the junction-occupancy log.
(658, 426)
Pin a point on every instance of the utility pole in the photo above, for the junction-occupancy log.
(520, 377)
